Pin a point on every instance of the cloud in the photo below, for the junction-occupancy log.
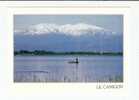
(67, 29)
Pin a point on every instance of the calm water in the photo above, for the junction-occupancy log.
(57, 69)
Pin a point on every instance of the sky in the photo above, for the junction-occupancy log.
(110, 22)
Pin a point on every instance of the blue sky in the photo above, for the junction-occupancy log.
(111, 22)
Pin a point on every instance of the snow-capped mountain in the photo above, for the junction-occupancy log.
(77, 37)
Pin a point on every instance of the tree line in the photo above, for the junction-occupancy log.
(43, 52)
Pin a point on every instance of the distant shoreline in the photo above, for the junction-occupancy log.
(45, 53)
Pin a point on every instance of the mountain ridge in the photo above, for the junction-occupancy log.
(61, 42)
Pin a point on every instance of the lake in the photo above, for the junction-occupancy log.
(57, 69)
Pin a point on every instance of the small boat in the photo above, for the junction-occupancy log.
(76, 61)
(73, 62)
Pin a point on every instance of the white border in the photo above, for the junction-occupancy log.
(6, 17)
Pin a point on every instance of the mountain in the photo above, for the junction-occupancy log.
(64, 38)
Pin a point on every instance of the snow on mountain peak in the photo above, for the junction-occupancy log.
(67, 29)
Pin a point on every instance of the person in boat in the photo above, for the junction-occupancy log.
(77, 60)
